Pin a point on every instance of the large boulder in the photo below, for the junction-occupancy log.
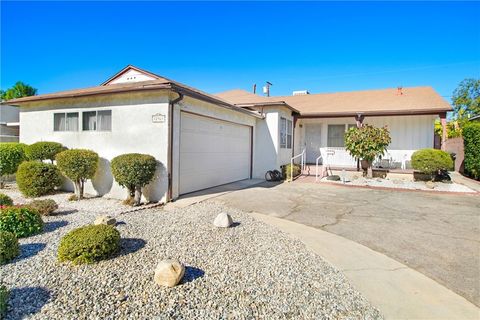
(109, 221)
(168, 273)
(223, 220)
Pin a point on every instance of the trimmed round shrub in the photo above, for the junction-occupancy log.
(5, 200)
(78, 165)
(134, 171)
(3, 300)
(11, 155)
(36, 178)
(21, 221)
(44, 207)
(89, 244)
(431, 161)
(9, 247)
(43, 150)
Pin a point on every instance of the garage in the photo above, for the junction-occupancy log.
(212, 152)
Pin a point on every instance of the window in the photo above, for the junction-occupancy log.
(97, 120)
(336, 135)
(285, 133)
(65, 121)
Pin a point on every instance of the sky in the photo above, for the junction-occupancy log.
(218, 46)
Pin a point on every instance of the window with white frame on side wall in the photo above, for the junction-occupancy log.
(65, 121)
(285, 133)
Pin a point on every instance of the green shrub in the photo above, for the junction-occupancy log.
(43, 150)
(3, 300)
(9, 247)
(471, 142)
(89, 244)
(431, 161)
(21, 221)
(286, 171)
(36, 178)
(134, 171)
(78, 165)
(5, 200)
(11, 155)
(44, 207)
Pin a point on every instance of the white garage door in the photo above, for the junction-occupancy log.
(212, 152)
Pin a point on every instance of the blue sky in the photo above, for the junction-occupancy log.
(215, 46)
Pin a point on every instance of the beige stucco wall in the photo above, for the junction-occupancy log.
(132, 131)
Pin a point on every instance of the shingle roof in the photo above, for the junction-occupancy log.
(413, 100)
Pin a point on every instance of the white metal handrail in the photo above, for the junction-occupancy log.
(324, 154)
(302, 163)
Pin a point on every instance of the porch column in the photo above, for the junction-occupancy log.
(443, 121)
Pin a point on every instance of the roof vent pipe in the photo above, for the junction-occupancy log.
(399, 90)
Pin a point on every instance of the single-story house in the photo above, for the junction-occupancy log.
(202, 140)
(9, 123)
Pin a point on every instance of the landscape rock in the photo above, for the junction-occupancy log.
(430, 184)
(168, 273)
(108, 220)
(223, 220)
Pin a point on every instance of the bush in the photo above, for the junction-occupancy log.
(89, 244)
(21, 221)
(3, 300)
(134, 171)
(78, 165)
(44, 207)
(43, 150)
(471, 142)
(286, 171)
(36, 178)
(367, 143)
(11, 155)
(5, 200)
(431, 161)
(9, 247)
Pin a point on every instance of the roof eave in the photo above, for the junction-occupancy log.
(374, 113)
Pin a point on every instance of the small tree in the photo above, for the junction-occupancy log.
(367, 143)
(19, 90)
(78, 165)
(134, 171)
(11, 156)
(43, 150)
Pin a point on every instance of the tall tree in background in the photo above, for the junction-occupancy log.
(466, 99)
(19, 90)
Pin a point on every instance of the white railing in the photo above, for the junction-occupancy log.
(302, 163)
(325, 154)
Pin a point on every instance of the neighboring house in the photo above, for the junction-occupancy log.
(9, 123)
(203, 140)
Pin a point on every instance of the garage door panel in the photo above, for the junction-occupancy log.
(212, 152)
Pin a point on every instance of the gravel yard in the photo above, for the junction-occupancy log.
(248, 271)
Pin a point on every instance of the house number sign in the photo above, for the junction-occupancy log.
(158, 118)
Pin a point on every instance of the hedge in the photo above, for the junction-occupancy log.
(286, 171)
(12, 154)
(43, 150)
(471, 142)
(21, 221)
(36, 178)
(9, 247)
(431, 161)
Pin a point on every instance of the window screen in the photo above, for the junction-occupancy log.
(65, 121)
(283, 133)
(59, 122)
(289, 134)
(89, 121)
(336, 135)
(104, 120)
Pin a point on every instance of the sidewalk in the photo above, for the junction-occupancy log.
(458, 178)
(396, 290)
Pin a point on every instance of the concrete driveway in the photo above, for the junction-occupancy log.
(435, 234)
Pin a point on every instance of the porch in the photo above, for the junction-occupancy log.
(322, 139)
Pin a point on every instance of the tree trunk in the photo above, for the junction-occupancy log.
(78, 189)
(370, 172)
(138, 195)
(2, 184)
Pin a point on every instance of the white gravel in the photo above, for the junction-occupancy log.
(249, 271)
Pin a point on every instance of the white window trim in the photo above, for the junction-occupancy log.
(65, 114)
(96, 121)
(288, 133)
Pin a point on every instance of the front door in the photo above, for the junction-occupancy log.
(313, 140)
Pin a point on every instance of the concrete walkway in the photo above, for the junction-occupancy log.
(472, 184)
(398, 291)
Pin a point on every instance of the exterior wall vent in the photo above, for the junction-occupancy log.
(300, 92)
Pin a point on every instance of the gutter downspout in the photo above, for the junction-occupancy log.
(170, 144)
